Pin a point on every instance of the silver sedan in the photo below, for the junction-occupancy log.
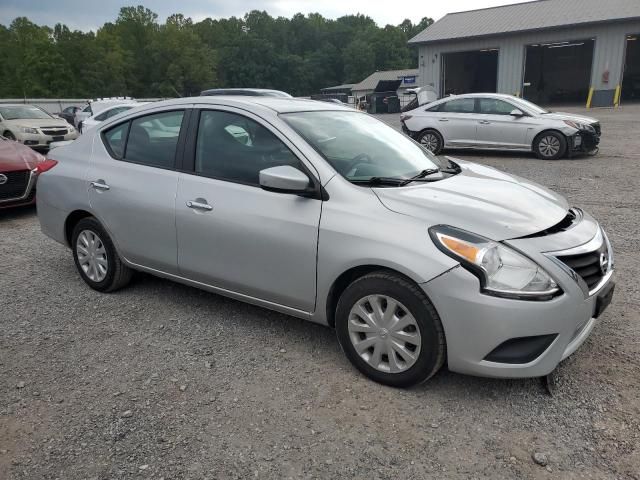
(500, 122)
(327, 214)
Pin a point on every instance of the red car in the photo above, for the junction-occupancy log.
(19, 170)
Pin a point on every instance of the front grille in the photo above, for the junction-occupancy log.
(55, 132)
(16, 184)
(596, 127)
(589, 266)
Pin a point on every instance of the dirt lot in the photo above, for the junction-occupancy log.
(165, 381)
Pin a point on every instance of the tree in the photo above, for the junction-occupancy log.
(135, 55)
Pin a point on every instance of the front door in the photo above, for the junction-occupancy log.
(497, 128)
(231, 233)
(133, 184)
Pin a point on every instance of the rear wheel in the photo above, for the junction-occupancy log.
(96, 258)
(431, 140)
(389, 330)
(550, 145)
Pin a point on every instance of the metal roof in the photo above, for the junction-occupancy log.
(522, 17)
(372, 80)
(346, 86)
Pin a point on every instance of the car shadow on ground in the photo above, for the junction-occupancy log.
(261, 322)
(470, 155)
(17, 213)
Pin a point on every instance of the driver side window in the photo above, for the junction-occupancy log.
(235, 148)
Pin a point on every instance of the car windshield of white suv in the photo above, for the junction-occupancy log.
(363, 149)
(23, 113)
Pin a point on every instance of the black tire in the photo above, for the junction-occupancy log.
(431, 140)
(543, 142)
(8, 135)
(118, 274)
(432, 352)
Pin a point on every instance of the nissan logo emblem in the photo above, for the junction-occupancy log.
(3, 179)
(604, 262)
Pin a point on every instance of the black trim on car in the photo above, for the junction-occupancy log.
(521, 350)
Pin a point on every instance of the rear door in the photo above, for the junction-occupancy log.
(497, 128)
(456, 120)
(133, 183)
(234, 235)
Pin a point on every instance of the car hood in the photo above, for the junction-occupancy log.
(569, 116)
(481, 200)
(15, 156)
(38, 123)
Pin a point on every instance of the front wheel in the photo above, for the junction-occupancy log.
(8, 135)
(432, 141)
(96, 258)
(389, 330)
(550, 145)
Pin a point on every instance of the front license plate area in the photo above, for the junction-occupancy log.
(58, 139)
(604, 299)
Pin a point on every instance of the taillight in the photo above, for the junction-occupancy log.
(46, 165)
(404, 117)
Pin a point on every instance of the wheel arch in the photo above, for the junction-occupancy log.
(347, 277)
(547, 130)
(71, 221)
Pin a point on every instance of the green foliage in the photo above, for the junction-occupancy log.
(137, 56)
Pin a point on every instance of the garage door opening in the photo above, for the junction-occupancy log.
(470, 72)
(631, 77)
(558, 72)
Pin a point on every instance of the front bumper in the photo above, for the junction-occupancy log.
(477, 324)
(41, 141)
(583, 142)
(25, 197)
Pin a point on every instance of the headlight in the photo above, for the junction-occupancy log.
(502, 271)
(29, 130)
(578, 125)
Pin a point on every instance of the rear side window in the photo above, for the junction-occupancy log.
(460, 105)
(149, 140)
(115, 139)
(111, 113)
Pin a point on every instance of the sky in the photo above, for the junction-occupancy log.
(89, 14)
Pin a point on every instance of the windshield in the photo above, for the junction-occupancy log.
(531, 106)
(26, 112)
(360, 147)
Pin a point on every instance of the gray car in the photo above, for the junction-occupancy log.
(327, 214)
(492, 121)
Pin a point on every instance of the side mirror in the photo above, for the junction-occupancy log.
(517, 113)
(284, 179)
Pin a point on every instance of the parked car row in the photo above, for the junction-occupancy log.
(325, 213)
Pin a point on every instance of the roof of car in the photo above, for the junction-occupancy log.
(18, 105)
(246, 91)
(275, 104)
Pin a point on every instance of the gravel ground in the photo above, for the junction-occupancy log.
(165, 381)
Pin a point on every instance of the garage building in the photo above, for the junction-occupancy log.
(547, 51)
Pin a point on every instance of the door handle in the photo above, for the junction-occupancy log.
(199, 206)
(443, 120)
(484, 122)
(100, 185)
